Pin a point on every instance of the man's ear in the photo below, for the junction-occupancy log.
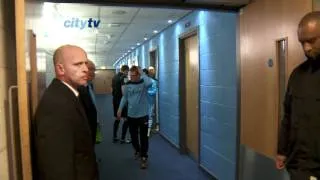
(60, 69)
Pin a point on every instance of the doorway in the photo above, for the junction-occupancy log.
(153, 54)
(102, 83)
(189, 95)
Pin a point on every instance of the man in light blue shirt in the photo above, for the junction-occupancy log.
(135, 95)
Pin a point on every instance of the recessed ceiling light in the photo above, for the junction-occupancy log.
(155, 31)
(129, 50)
(132, 47)
(109, 36)
(170, 21)
(145, 38)
(138, 44)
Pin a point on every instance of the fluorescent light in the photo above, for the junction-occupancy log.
(132, 47)
(103, 67)
(119, 12)
(138, 44)
(145, 38)
(155, 31)
(170, 21)
(114, 25)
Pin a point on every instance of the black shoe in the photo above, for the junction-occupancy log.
(136, 155)
(115, 140)
(144, 163)
(122, 141)
(154, 131)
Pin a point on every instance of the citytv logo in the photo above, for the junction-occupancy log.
(81, 23)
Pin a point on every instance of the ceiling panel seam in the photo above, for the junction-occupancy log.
(95, 44)
(125, 29)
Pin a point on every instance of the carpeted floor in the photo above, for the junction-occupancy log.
(117, 162)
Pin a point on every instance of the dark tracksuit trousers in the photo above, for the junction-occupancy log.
(138, 127)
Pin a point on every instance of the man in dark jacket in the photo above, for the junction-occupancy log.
(87, 98)
(117, 82)
(62, 136)
(299, 140)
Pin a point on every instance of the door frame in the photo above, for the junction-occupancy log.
(34, 98)
(182, 93)
(156, 50)
(23, 99)
(277, 87)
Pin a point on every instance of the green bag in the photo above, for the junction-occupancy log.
(98, 135)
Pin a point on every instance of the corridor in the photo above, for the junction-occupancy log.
(237, 57)
(117, 162)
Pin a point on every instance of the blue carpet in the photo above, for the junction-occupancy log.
(117, 162)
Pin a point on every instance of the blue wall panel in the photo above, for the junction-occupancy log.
(218, 86)
(218, 83)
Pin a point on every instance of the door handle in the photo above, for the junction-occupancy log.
(12, 133)
(11, 88)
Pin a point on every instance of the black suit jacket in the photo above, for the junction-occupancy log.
(62, 137)
(90, 109)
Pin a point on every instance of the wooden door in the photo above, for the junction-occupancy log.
(103, 81)
(192, 95)
(33, 73)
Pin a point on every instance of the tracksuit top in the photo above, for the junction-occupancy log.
(136, 95)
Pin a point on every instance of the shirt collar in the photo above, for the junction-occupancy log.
(76, 93)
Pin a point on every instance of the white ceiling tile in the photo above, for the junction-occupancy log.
(118, 12)
(77, 10)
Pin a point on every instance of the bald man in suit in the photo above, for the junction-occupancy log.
(62, 136)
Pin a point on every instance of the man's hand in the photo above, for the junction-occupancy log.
(280, 159)
(119, 114)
